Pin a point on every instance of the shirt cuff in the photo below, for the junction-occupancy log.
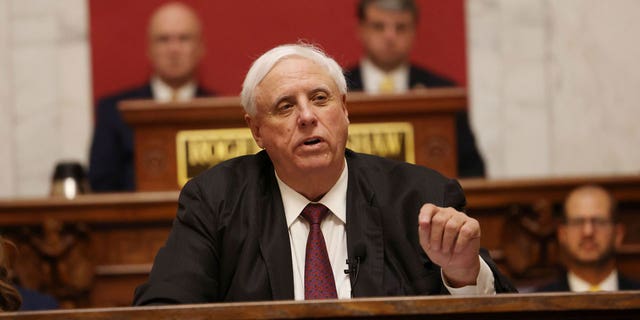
(484, 283)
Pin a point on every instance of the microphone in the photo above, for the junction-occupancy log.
(359, 254)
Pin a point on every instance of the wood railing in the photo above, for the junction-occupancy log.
(113, 238)
(614, 305)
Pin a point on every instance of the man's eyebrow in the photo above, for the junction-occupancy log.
(320, 88)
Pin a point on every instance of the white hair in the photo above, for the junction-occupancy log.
(261, 67)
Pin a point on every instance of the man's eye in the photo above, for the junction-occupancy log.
(402, 28)
(320, 98)
(379, 27)
(162, 39)
(185, 37)
(285, 107)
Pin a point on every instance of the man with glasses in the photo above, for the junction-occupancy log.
(589, 236)
(175, 49)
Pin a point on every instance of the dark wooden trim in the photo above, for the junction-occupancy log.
(613, 305)
(228, 109)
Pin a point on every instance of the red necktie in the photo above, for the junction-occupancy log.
(318, 276)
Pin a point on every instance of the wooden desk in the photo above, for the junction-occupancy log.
(519, 216)
(431, 113)
(90, 251)
(618, 305)
(114, 237)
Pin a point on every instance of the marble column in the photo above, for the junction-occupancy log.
(553, 86)
(45, 95)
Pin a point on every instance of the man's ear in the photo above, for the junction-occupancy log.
(561, 233)
(202, 49)
(619, 234)
(255, 129)
(344, 107)
(360, 31)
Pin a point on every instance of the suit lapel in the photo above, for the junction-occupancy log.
(274, 241)
(354, 79)
(364, 228)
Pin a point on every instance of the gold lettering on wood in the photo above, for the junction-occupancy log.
(198, 150)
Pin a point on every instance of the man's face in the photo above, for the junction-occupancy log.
(175, 45)
(387, 36)
(589, 236)
(301, 118)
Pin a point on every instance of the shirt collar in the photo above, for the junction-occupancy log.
(335, 199)
(372, 76)
(162, 92)
(577, 284)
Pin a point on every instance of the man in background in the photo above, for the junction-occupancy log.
(589, 237)
(175, 50)
(387, 31)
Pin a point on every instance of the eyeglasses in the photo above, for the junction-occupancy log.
(595, 222)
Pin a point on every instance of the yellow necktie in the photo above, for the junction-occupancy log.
(594, 288)
(387, 85)
(174, 95)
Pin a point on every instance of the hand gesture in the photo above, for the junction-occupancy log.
(451, 239)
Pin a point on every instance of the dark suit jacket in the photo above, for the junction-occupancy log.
(562, 284)
(470, 163)
(34, 300)
(230, 240)
(111, 165)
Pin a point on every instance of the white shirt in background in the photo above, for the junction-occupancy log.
(372, 77)
(162, 92)
(576, 284)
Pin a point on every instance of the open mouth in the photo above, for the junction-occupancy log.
(312, 141)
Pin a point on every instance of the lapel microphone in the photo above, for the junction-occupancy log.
(359, 254)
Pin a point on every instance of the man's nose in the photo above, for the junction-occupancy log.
(174, 43)
(390, 32)
(588, 226)
(306, 114)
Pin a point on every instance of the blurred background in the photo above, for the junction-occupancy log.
(552, 84)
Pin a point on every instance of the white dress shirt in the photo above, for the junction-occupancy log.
(335, 236)
(162, 92)
(576, 284)
(372, 76)
(333, 230)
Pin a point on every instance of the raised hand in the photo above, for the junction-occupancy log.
(451, 239)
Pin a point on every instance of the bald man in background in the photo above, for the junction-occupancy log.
(175, 50)
(589, 237)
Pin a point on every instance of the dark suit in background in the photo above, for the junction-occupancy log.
(562, 284)
(230, 239)
(111, 166)
(34, 300)
(470, 162)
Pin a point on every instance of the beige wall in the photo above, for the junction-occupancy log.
(45, 90)
(555, 86)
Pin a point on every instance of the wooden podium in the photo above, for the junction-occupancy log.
(431, 113)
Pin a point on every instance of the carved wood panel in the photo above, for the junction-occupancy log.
(54, 258)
